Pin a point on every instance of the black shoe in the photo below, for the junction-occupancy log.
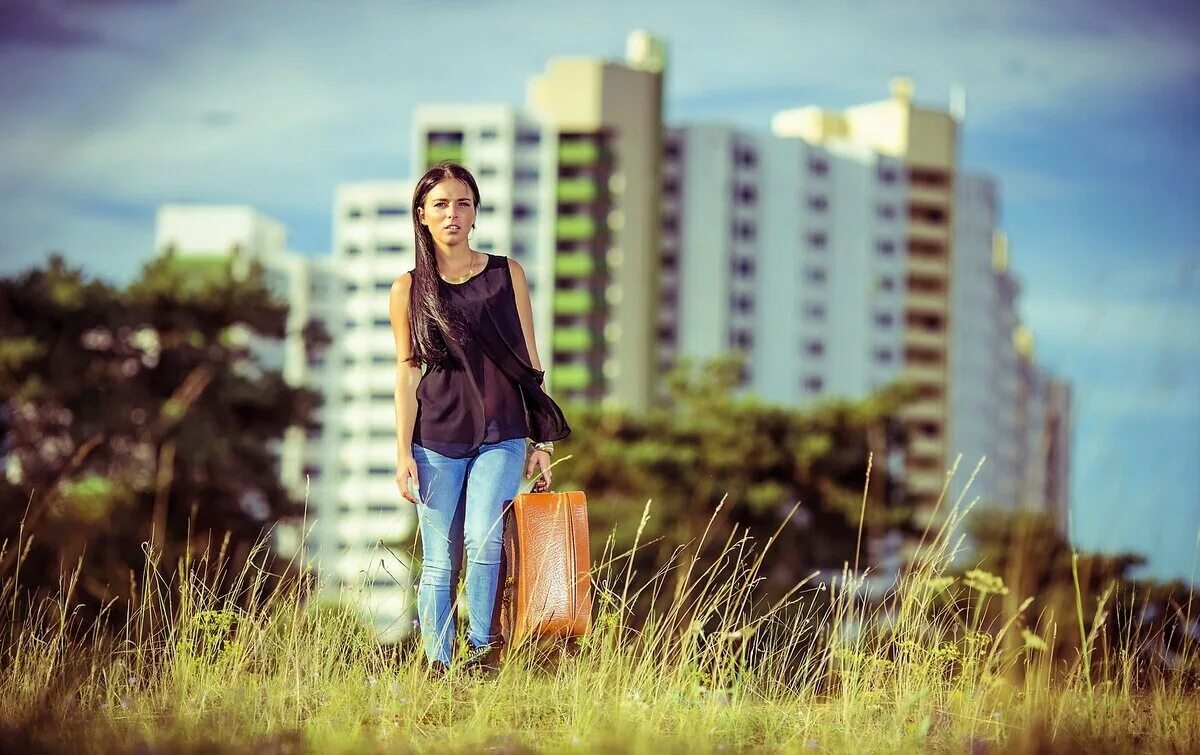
(483, 660)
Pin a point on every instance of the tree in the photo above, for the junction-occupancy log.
(709, 443)
(137, 422)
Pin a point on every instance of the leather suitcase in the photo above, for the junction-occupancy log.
(546, 583)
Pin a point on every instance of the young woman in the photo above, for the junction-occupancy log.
(462, 424)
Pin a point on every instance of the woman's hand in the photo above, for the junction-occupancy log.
(539, 460)
(406, 472)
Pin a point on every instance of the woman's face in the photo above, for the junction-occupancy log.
(449, 212)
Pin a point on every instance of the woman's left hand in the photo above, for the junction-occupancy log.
(539, 461)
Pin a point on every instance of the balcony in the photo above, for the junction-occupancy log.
(930, 339)
(927, 231)
(578, 153)
(574, 265)
(923, 411)
(926, 302)
(570, 377)
(572, 339)
(924, 374)
(929, 194)
(924, 446)
(436, 153)
(575, 302)
(576, 190)
(926, 266)
(575, 227)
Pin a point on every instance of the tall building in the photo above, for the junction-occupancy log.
(924, 141)
(984, 363)
(608, 120)
(365, 529)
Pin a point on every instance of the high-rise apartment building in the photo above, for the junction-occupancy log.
(368, 529)
(924, 142)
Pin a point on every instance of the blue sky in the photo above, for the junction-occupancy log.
(1087, 113)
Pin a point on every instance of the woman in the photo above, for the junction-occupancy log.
(461, 427)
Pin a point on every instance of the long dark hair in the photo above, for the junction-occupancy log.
(432, 320)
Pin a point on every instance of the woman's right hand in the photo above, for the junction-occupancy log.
(406, 473)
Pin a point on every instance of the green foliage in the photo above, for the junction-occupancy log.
(709, 443)
(137, 421)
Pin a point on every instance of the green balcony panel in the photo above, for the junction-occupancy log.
(205, 265)
(572, 339)
(436, 153)
(572, 302)
(574, 265)
(578, 153)
(576, 190)
(575, 227)
(570, 376)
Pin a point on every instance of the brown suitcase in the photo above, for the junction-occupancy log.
(546, 578)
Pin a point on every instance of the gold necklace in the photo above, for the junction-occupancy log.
(462, 279)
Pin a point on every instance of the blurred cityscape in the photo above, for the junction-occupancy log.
(838, 252)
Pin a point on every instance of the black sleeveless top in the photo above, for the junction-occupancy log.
(491, 392)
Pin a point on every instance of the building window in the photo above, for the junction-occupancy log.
(487, 171)
(741, 339)
(815, 311)
(887, 174)
(818, 166)
(746, 194)
(518, 250)
(354, 213)
(818, 203)
(887, 283)
(523, 211)
(529, 138)
(744, 157)
(487, 209)
(389, 248)
(383, 396)
(486, 246)
(388, 211)
(351, 288)
(382, 359)
(813, 384)
(815, 348)
(311, 471)
(672, 149)
(312, 430)
(351, 250)
(743, 303)
(883, 355)
(743, 267)
(745, 230)
(815, 275)
(884, 319)
(671, 224)
(524, 174)
(671, 186)
(817, 239)
(488, 134)
(887, 211)
(885, 247)
(383, 285)
(381, 471)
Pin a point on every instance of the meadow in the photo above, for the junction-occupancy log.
(701, 666)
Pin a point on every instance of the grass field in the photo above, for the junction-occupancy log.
(819, 670)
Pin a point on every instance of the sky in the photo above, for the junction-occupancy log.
(1086, 113)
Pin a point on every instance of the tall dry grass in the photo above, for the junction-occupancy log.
(826, 667)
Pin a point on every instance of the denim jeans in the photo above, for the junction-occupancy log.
(462, 502)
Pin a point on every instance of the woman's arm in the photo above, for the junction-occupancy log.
(407, 377)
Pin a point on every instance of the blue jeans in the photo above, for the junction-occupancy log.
(463, 500)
